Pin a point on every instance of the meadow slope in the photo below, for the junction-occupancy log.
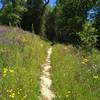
(75, 76)
(21, 56)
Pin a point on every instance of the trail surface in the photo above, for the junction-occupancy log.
(46, 92)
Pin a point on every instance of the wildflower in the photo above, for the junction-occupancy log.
(85, 60)
(12, 95)
(24, 97)
(10, 90)
(18, 92)
(11, 71)
(95, 76)
(69, 92)
(7, 90)
(67, 95)
(20, 89)
(5, 70)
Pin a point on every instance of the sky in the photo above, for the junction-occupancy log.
(52, 2)
(92, 13)
(0, 5)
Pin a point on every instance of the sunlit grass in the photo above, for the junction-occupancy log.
(75, 76)
(21, 56)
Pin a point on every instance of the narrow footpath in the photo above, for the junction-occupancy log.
(46, 82)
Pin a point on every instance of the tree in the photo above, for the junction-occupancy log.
(71, 15)
(97, 25)
(50, 23)
(35, 15)
(12, 11)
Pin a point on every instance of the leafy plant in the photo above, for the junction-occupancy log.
(88, 36)
(12, 12)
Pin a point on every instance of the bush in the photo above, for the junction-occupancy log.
(88, 36)
(12, 13)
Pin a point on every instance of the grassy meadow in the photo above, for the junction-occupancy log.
(49, 49)
(75, 76)
(21, 56)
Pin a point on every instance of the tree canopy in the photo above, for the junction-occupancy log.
(59, 23)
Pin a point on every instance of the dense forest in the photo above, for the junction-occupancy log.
(69, 69)
(66, 22)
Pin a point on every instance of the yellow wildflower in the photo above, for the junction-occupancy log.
(20, 89)
(5, 70)
(13, 95)
(69, 92)
(7, 90)
(67, 95)
(10, 90)
(18, 92)
(95, 76)
(11, 71)
(24, 97)
(85, 60)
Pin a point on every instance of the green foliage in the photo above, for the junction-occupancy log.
(12, 12)
(70, 16)
(74, 76)
(88, 36)
(59, 23)
(35, 16)
(50, 23)
(37, 8)
(97, 25)
(21, 56)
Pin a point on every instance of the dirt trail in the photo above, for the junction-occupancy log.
(46, 92)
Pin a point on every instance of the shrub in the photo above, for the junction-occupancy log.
(88, 36)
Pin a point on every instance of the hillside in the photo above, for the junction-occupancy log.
(49, 49)
(28, 73)
(21, 56)
(75, 75)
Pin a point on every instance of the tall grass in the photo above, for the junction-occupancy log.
(75, 77)
(21, 56)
